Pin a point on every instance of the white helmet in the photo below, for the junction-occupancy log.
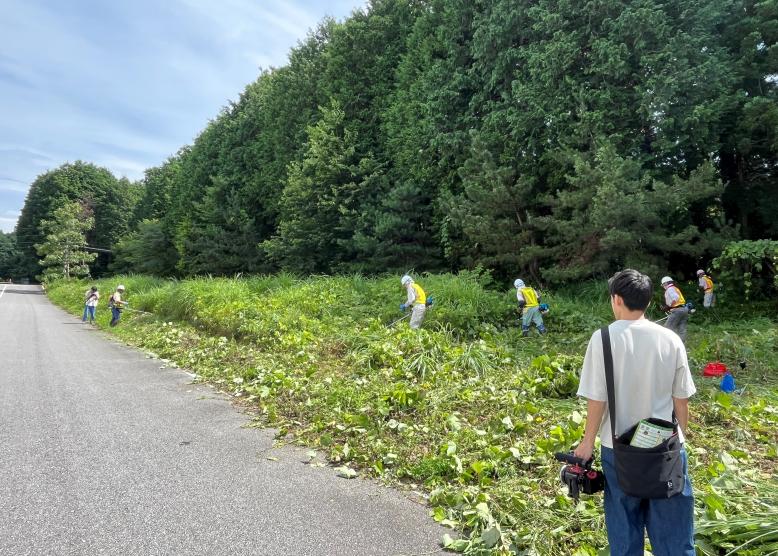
(666, 280)
(119, 287)
(518, 283)
(700, 272)
(405, 280)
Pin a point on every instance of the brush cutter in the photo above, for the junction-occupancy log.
(391, 324)
(125, 308)
(430, 303)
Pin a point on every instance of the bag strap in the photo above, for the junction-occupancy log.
(607, 355)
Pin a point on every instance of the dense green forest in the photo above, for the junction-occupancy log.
(554, 139)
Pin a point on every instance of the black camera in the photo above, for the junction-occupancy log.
(579, 476)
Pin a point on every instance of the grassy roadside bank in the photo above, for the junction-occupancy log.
(464, 410)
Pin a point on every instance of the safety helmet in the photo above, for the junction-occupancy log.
(518, 283)
(405, 280)
(119, 287)
(666, 280)
(700, 272)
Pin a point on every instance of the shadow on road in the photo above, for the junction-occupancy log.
(24, 292)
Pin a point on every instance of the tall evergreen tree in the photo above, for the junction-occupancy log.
(145, 250)
(320, 199)
(463, 133)
(63, 249)
(10, 258)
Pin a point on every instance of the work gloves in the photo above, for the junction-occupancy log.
(403, 307)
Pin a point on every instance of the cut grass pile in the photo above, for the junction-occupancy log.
(464, 411)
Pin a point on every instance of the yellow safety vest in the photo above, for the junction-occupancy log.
(708, 284)
(681, 301)
(421, 297)
(530, 297)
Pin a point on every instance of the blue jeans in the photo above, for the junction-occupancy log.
(89, 311)
(669, 521)
(115, 316)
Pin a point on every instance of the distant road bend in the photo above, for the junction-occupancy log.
(102, 452)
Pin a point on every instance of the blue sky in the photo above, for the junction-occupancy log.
(125, 83)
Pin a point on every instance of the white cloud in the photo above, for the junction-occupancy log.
(13, 186)
(126, 84)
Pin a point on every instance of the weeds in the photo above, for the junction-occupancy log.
(464, 410)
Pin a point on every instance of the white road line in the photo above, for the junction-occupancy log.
(2, 292)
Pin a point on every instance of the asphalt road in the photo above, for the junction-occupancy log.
(103, 452)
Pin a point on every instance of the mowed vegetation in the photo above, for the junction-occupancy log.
(464, 411)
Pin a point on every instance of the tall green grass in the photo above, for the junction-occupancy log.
(465, 409)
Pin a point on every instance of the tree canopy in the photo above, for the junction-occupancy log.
(552, 139)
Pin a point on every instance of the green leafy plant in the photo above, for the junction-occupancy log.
(469, 414)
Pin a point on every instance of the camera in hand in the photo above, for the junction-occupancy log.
(579, 476)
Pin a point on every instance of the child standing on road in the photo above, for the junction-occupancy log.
(91, 298)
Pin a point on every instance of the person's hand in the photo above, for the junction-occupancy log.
(402, 307)
(584, 451)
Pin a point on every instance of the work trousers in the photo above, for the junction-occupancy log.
(116, 314)
(677, 320)
(532, 315)
(417, 315)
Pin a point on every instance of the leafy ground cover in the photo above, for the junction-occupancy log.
(464, 411)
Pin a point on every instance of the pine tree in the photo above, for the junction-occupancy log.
(145, 250)
(63, 248)
(321, 197)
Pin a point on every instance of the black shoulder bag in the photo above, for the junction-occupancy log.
(642, 472)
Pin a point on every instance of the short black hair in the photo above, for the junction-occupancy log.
(633, 287)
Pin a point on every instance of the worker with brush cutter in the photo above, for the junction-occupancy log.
(705, 284)
(676, 308)
(530, 309)
(417, 301)
(116, 304)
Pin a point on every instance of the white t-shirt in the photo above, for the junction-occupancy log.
(672, 296)
(91, 298)
(650, 368)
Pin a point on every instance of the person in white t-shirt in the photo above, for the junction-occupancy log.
(651, 379)
(91, 297)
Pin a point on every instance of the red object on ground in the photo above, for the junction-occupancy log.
(714, 369)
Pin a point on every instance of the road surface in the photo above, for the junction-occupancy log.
(103, 452)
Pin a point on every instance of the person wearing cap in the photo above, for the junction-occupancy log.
(91, 298)
(116, 304)
(706, 285)
(416, 301)
(675, 306)
(529, 307)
